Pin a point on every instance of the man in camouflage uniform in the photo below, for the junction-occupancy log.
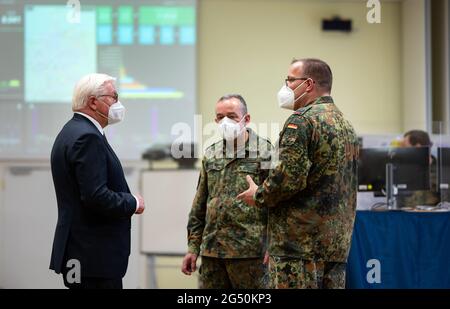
(411, 199)
(228, 234)
(311, 192)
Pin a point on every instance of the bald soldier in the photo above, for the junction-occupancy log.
(228, 234)
(311, 192)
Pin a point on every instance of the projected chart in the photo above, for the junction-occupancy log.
(148, 45)
(132, 89)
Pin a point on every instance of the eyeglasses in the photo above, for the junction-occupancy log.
(115, 97)
(292, 79)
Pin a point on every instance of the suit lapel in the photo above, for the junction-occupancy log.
(110, 149)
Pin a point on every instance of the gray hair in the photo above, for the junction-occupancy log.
(89, 85)
(235, 96)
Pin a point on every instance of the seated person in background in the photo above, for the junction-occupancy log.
(418, 138)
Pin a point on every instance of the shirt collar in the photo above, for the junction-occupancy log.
(95, 122)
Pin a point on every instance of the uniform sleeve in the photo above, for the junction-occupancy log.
(196, 222)
(290, 173)
(265, 169)
(266, 160)
(88, 156)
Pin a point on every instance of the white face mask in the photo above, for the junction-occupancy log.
(286, 97)
(116, 113)
(230, 129)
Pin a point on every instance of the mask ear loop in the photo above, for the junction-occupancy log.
(100, 114)
(303, 94)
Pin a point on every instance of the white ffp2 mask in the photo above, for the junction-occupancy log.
(286, 97)
(230, 129)
(116, 113)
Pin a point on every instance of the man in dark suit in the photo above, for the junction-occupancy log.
(92, 238)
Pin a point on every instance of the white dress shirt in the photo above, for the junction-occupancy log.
(99, 127)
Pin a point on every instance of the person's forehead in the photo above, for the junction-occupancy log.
(406, 140)
(230, 105)
(109, 86)
(296, 69)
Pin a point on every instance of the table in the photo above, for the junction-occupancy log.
(396, 249)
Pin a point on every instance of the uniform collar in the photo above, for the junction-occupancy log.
(251, 145)
(319, 100)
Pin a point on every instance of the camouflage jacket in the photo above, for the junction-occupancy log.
(311, 192)
(219, 224)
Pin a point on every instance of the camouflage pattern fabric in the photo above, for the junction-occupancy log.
(220, 225)
(292, 273)
(215, 273)
(311, 192)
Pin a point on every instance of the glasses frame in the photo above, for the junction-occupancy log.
(115, 97)
(292, 79)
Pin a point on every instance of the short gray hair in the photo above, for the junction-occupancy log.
(236, 96)
(89, 85)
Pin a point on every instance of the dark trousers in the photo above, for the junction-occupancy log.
(94, 283)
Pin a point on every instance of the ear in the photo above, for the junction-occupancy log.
(311, 84)
(247, 119)
(91, 103)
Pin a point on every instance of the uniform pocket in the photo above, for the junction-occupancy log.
(214, 174)
(249, 168)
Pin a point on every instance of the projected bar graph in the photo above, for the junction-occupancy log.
(132, 89)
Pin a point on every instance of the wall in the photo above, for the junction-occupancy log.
(414, 106)
(246, 46)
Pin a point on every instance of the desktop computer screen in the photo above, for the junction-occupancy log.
(411, 168)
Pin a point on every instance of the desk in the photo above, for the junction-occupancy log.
(412, 250)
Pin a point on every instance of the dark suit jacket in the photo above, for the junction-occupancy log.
(94, 203)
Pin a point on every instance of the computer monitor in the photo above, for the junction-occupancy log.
(411, 168)
(443, 168)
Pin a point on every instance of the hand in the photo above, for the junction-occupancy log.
(247, 196)
(266, 258)
(189, 264)
(141, 206)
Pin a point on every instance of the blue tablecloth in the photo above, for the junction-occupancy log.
(413, 250)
